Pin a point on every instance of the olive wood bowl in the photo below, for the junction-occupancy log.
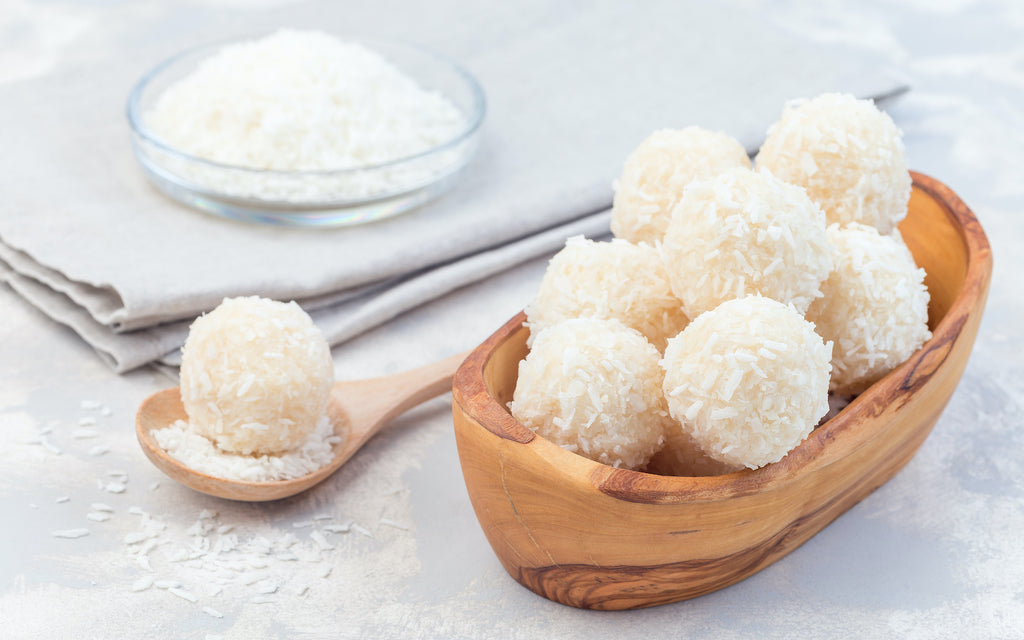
(588, 535)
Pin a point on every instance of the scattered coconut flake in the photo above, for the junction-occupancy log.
(87, 421)
(183, 593)
(98, 516)
(251, 577)
(136, 511)
(98, 450)
(217, 555)
(302, 524)
(262, 599)
(142, 583)
(321, 541)
(70, 533)
(115, 487)
(358, 528)
(326, 571)
(52, 448)
(266, 587)
(392, 523)
(99, 506)
(323, 516)
(33, 505)
(338, 528)
(62, 499)
(105, 411)
(83, 434)
(91, 405)
(210, 611)
(117, 473)
(258, 563)
(154, 486)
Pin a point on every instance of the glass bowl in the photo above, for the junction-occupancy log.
(311, 198)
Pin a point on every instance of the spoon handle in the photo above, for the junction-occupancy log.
(418, 385)
(388, 397)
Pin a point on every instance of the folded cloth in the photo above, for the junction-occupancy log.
(571, 90)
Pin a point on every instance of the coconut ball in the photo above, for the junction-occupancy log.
(593, 387)
(655, 173)
(617, 280)
(256, 375)
(847, 154)
(874, 308)
(747, 381)
(680, 456)
(744, 232)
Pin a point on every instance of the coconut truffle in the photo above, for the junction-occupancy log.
(616, 280)
(256, 375)
(874, 308)
(680, 456)
(594, 387)
(744, 232)
(747, 381)
(847, 154)
(655, 173)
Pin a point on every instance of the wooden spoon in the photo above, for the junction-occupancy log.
(358, 410)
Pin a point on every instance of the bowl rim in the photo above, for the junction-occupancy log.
(475, 116)
(840, 433)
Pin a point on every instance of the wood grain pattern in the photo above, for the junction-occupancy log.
(588, 535)
(358, 410)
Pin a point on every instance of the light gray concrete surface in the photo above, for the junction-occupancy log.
(934, 553)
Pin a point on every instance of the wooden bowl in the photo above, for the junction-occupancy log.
(587, 535)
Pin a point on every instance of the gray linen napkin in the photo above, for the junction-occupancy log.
(571, 88)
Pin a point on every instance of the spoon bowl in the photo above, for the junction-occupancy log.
(587, 535)
(358, 409)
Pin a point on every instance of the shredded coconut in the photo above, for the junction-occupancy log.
(182, 441)
(594, 387)
(847, 154)
(616, 280)
(242, 401)
(874, 309)
(301, 101)
(747, 411)
(735, 217)
(656, 173)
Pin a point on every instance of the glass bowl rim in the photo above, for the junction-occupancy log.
(475, 115)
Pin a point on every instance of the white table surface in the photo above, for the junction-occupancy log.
(935, 553)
